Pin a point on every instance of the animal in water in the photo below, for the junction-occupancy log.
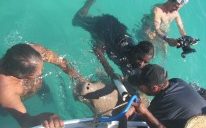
(99, 96)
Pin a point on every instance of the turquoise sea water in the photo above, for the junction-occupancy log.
(48, 22)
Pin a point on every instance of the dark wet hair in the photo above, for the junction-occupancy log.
(172, 0)
(19, 60)
(151, 74)
(141, 49)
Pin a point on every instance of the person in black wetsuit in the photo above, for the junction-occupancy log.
(174, 102)
(111, 36)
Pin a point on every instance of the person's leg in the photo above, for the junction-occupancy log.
(81, 18)
(84, 10)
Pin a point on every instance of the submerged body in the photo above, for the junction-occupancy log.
(111, 37)
(155, 26)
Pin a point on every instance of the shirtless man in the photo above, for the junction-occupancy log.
(156, 25)
(20, 76)
(164, 15)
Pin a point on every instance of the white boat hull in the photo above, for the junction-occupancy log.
(88, 123)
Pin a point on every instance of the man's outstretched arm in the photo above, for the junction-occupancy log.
(180, 25)
(51, 57)
(100, 56)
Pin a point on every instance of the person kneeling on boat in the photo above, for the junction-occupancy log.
(174, 102)
(21, 75)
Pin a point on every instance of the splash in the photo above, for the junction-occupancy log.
(13, 38)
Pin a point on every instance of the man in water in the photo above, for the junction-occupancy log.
(21, 76)
(155, 25)
(111, 36)
(174, 102)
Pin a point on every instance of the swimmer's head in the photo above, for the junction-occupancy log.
(181, 2)
(21, 61)
(142, 53)
(176, 4)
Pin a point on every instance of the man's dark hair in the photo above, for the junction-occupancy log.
(142, 48)
(20, 60)
(172, 0)
(151, 74)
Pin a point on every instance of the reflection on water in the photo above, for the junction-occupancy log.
(12, 38)
(45, 94)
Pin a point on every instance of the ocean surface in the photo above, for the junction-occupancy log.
(48, 22)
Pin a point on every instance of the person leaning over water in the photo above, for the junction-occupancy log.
(174, 102)
(20, 76)
(155, 26)
(110, 36)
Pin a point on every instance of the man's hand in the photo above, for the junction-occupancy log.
(140, 108)
(130, 112)
(53, 122)
(63, 64)
(143, 111)
(172, 42)
(50, 120)
(135, 108)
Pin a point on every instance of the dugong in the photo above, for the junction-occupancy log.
(99, 96)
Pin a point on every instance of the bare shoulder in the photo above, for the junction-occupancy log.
(158, 13)
(10, 97)
(44, 52)
(176, 14)
(5, 93)
(41, 49)
(37, 47)
(157, 10)
(7, 89)
(3, 83)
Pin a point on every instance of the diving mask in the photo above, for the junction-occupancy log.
(182, 2)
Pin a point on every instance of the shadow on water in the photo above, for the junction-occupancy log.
(45, 94)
